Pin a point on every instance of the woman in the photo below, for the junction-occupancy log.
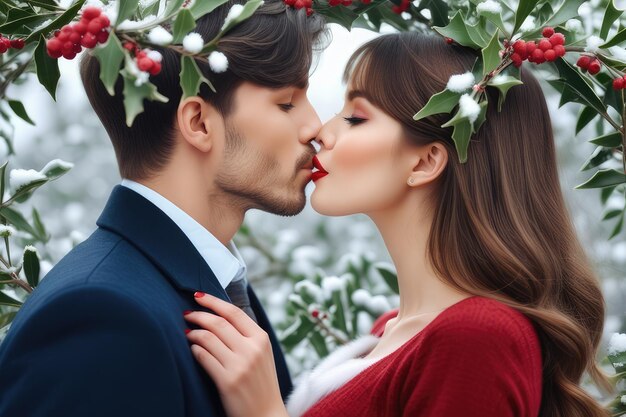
(500, 314)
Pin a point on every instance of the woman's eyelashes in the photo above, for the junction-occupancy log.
(286, 106)
(354, 120)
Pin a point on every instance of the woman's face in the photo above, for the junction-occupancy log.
(364, 153)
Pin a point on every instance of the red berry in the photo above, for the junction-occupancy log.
(54, 54)
(347, 2)
(584, 61)
(449, 41)
(80, 28)
(75, 37)
(618, 83)
(94, 26)
(3, 48)
(77, 48)
(54, 45)
(69, 55)
(102, 37)
(517, 60)
(89, 40)
(299, 4)
(560, 50)
(545, 44)
(550, 55)
(315, 314)
(129, 46)
(309, 11)
(140, 54)
(57, 33)
(530, 47)
(156, 68)
(64, 36)
(594, 67)
(547, 31)
(557, 39)
(538, 56)
(17, 43)
(145, 64)
(290, 2)
(104, 19)
(520, 47)
(6, 43)
(91, 12)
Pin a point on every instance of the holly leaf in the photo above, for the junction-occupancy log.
(597, 158)
(297, 332)
(47, 68)
(57, 23)
(442, 102)
(611, 140)
(618, 226)
(191, 77)
(126, 9)
(438, 11)
(503, 83)
(616, 40)
(248, 9)
(183, 24)
(388, 275)
(524, 8)
(31, 266)
(496, 19)
(110, 55)
(134, 95)
(604, 178)
(586, 116)
(19, 110)
(611, 14)
(568, 10)
(200, 8)
(578, 85)
(461, 134)
(457, 30)
(491, 55)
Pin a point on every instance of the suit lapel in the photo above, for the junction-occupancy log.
(137, 220)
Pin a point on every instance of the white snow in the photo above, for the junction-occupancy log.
(155, 56)
(193, 43)
(7, 230)
(593, 43)
(468, 107)
(528, 25)
(233, 14)
(489, 6)
(141, 77)
(136, 24)
(361, 297)
(30, 248)
(19, 178)
(618, 52)
(574, 25)
(623, 399)
(160, 36)
(310, 288)
(218, 62)
(57, 163)
(461, 82)
(331, 284)
(617, 344)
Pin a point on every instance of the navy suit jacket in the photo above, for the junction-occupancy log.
(103, 334)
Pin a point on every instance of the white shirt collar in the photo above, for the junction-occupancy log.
(226, 263)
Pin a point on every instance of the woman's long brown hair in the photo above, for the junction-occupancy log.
(501, 228)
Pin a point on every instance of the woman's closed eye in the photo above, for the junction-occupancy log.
(286, 106)
(353, 121)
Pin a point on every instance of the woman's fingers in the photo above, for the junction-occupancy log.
(219, 326)
(213, 345)
(211, 365)
(235, 316)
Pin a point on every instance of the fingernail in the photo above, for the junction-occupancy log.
(187, 312)
(187, 331)
(199, 294)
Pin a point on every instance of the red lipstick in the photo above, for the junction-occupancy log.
(321, 172)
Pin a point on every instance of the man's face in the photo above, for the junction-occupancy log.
(268, 155)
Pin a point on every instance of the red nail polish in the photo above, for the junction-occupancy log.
(187, 312)
(199, 294)
(187, 331)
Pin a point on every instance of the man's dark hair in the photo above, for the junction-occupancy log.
(273, 48)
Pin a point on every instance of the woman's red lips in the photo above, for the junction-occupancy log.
(321, 172)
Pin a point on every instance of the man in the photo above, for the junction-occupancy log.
(104, 334)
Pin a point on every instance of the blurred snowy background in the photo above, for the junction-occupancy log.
(279, 251)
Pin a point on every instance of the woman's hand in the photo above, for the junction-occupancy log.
(237, 354)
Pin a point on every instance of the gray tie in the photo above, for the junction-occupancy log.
(238, 293)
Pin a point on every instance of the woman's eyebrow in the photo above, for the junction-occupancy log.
(352, 94)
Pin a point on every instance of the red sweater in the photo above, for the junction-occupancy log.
(478, 358)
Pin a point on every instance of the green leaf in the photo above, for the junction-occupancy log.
(568, 10)
(618, 227)
(523, 10)
(24, 25)
(605, 193)
(461, 134)
(56, 168)
(9, 301)
(191, 77)
(496, 19)
(47, 68)
(183, 24)
(31, 266)
(319, 344)
(389, 276)
(6, 319)
(42, 234)
(442, 102)
(18, 109)
(491, 55)
(577, 83)
(57, 23)
(479, 34)
(126, 9)
(586, 116)
(392, 19)
(600, 156)
(611, 140)
(604, 178)
(16, 219)
(111, 56)
(612, 214)
(339, 317)
(611, 14)
(200, 8)
(297, 332)
(134, 95)
(339, 15)
(174, 6)
(615, 40)
(248, 9)
(503, 83)
(438, 11)
(3, 178)
(457, 30)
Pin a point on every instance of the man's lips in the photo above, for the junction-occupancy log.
(321, 172)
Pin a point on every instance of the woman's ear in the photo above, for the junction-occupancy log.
(430, 162)
(195, 119)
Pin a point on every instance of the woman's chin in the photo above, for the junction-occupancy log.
(328, 207)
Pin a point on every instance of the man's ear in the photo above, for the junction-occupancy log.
(196, 121)
(430, 162)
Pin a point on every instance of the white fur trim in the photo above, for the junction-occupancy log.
(333, 372)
